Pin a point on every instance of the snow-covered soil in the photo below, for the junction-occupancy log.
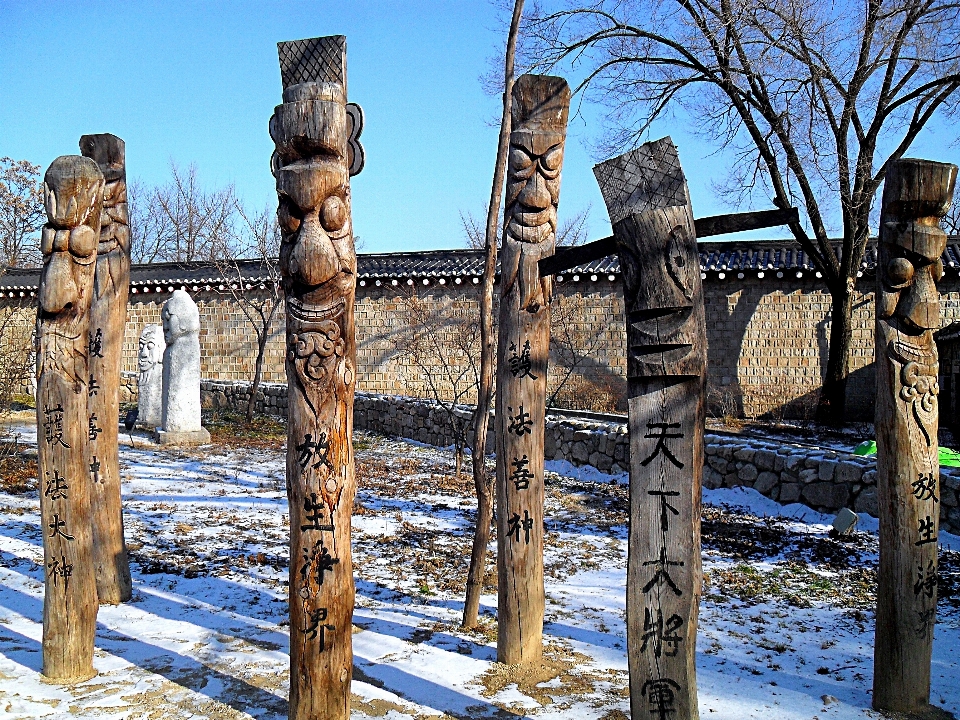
(786, 623)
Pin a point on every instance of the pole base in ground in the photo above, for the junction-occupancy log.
(183, 438)
(68, 680)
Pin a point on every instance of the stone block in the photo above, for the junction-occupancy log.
(745, 454)
(789, 493)
(793, 462)
(808, 475)
(866, 502)
(712, 479)
(184, 438)
(747, 473)
(579, 451)
(869, 477)
(847, 472)
(731, 480)
(718, 463)
(764, 460)
(825, 470)
(766, 481)
(829, 495)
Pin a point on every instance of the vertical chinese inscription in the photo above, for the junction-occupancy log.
(73, 196)
(646, 196)
(108, 318)
(315, 131)
(539, 122)
(917, 193)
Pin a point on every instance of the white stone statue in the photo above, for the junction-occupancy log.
(150, 382)
(180, 424)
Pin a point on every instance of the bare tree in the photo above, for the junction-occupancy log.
(442, 343)
(481, 478)
(252, 276)
(21, 213)
(181, 221)
(814, 98)
(951, 221)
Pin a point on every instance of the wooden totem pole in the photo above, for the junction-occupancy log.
(539, 122)
(316, 132)
(916, 194)
(649, 206)
(73, 196)
(108, 319)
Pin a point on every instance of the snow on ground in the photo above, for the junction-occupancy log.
(786, 623)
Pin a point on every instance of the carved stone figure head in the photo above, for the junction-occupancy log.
(311, 166)
(151, 349)
(181, 317)
(73, 196)
(908, 263)
(540, 107)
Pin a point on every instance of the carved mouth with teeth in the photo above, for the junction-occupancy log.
(308, 314)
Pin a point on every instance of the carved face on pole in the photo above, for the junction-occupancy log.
(108, 151)
(72, 194)
(536, 156)
(909, 267)
(151, 348)
(181, 317)
(310, 165)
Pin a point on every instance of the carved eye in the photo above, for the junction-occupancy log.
(333, 214)
(553, 158)
(83, 241)
(900, 271)
(288, 222)
(521, 164)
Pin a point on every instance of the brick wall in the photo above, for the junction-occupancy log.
(767, 341)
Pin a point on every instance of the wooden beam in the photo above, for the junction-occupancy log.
(705, 227)
(646, 196)
(916, 194)
(318, 266)
(539, 128)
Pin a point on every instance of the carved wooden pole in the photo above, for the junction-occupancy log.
(539, 122)
(646, 196)
(108, 319)
(916, 195)
(73, 195)
(315, 132)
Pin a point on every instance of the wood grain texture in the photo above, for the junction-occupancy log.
(108, 318)
(646, 193)
(539, 126)
(73, 196)
(917, 194)
(318, 265)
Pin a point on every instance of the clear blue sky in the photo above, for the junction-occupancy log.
(197, 82)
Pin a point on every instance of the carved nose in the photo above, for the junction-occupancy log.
(57, 289)
(922, 303)
(535, 193)
(314, 258)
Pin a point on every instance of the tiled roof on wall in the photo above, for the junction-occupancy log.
(775, 259)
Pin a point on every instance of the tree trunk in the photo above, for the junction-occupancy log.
(63, 422)
(318, 265)
(646, 196)
(539, 126)
(258, 371)
(831, 406)
(916, 194)
(481, 481)
(108, 319)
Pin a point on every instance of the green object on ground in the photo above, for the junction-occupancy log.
(948, 456)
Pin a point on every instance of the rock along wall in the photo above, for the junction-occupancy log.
(822, 479)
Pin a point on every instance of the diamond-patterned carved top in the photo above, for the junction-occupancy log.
(643, 179)
(322, 59)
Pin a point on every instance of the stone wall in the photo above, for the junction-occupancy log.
(766, 337)
(820, 478)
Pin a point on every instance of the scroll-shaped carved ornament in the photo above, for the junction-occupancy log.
(73, 197)
(108, 319)
(646, 196)
(539, 111)
(916, 195)
(316, 149)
